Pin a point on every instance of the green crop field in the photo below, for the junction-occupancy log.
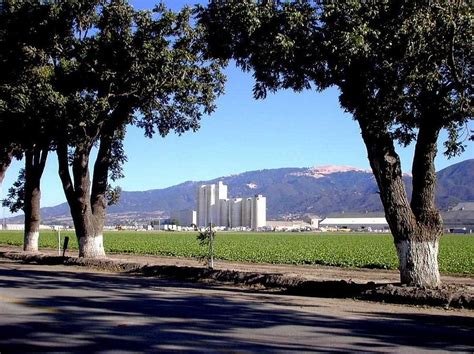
(344, 250)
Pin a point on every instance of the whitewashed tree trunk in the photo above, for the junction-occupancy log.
(35, 161)
(419, 262)
(88, 217)
(416, 225)
(30, 242)
(91, 246)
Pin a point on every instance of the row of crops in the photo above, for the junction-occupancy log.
(345, 250)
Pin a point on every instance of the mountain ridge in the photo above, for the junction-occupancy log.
(290, 192)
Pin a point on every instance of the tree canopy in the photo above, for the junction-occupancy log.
(397, 56)
(29, 103)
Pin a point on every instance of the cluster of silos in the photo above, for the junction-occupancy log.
(214, 207)
(209, 204)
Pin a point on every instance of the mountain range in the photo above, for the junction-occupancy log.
(290, 192)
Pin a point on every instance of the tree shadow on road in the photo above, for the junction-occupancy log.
(115, 312)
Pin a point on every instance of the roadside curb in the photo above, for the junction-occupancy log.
(447, 296)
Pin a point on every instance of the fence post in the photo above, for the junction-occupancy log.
(66, 242)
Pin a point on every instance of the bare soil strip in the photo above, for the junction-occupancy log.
(320, 281)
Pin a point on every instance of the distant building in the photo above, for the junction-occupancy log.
(465, 206)
(12, 227)
(185, 217)
(209, 205)
(280, 225)
(21, 227)
(258, 218)
(235, 212)
(313, 220)
(213, 207)
(460, 218)
(355, 222)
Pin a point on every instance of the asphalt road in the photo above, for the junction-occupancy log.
(57, 308)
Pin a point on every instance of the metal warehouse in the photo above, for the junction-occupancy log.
(378, 223)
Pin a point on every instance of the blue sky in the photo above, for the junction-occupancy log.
(285, 130)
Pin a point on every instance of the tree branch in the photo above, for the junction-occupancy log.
(386, 167)
(100, 176)
(36, 153)
(5, 161)
(63, 169)
(424, 173)
(44, 156)
(452, 62)
(43, 159)
(102, 164)
(80, 172)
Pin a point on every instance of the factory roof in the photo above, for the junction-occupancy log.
(354, 221)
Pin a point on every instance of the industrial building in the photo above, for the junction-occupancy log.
(213, 207)
(21, 227)
(185, 217)
(459, 219)
(367, 221)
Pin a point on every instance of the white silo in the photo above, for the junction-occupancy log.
(212, 209)
(236, 212)
(224, 212)
(247, 212)
(201, 206)
(221, 191)
(259, 211)
(220, 194)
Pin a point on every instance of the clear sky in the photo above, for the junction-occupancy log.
(285, 130)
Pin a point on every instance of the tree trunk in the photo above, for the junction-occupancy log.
(416, 228)
(5, 161)
(418, 262)
(88, 202)
(35, 162)
(419, 254)
(89, 231)
(88, 227)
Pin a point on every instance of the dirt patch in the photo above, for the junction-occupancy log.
(444, 296)
(458, 293)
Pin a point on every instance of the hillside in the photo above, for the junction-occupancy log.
(289, 192)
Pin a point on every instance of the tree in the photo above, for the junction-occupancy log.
(31, 129)
(206, 239)
(404, 71)
(29, 105)
(125, 67)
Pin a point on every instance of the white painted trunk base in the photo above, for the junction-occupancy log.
(92, 247)
(419, 263)
(30, 241)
